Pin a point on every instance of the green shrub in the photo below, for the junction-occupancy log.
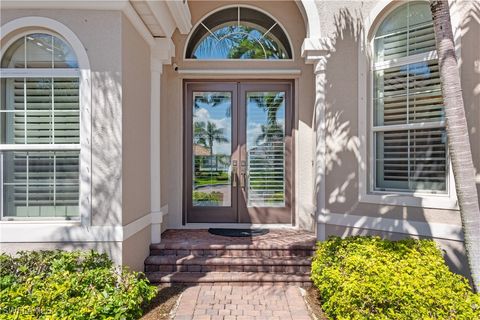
(371, 278)
(69, 285)
(213, 196)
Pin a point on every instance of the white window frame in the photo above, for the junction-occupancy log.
(30, 25)
(200, 21)
(366, 68)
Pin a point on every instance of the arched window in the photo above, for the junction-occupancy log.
(39, 128)
(238, 33)
(409, 137)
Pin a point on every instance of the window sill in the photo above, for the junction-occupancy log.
(68, 222)
(411, 200)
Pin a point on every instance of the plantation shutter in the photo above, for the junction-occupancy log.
(45, 183)
(266, 149)
(408, 122)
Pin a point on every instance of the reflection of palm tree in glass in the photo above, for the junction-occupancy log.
(213, 100)
(239, 42)
(208, 134)
(272, 131)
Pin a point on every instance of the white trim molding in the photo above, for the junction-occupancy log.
(414, 228)
(74, 231)
(365, 118)
(16, 28)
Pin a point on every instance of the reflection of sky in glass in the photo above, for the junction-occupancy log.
(258, 116)
(219, 115)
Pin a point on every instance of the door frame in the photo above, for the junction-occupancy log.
(186, 131)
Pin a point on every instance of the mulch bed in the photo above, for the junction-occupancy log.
(312, 298)
(161, 306)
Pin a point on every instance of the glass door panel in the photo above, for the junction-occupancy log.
(265, 149)
(212, 149)
(210, 152)
(238, 152)
(265, 139)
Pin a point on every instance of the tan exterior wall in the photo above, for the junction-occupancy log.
(106, 69)
(120, 63)
(135, 249)
(343, 23)
(135, 124)
(172, 113)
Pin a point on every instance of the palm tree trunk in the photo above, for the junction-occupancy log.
(458, 140)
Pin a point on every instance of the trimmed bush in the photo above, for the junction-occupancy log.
(69, 285)
(371, 278)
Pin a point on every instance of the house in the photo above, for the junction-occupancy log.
(330, 115)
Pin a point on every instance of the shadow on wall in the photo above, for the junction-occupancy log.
(471, 81)
(106, 176)
(343, 141)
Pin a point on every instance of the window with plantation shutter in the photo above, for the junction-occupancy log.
(408, 125)
(40, 129)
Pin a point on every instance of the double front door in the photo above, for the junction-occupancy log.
(238, 152)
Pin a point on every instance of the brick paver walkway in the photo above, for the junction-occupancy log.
(242, 303)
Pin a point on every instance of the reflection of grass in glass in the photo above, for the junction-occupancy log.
(214, 196)
(210, 178)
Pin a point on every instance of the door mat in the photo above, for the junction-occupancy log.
(238, 232)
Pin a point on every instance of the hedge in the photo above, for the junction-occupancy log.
(69, 285)
(371, 278)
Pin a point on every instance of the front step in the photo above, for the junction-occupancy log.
(229, 278)
(215, 250)
(197, 257)
(288, 265)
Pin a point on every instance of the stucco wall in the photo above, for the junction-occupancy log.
(98, 30)
(343, 22)
(172, 113)
(136, 248)
(120, 71)
(136, 124)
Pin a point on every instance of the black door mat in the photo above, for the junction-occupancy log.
(238, 232)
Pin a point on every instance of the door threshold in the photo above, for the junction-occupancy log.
(236, 226)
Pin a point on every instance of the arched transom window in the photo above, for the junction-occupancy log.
(238, 33)
(409, 137)
(39, 128)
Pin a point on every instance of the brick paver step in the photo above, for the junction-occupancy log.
(231, 278)
(191, 259)
(228, 252)
(227, 264)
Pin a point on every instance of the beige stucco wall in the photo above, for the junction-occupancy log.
(120, 81)
(172, 113)
(343, 23)
(106, 69)
(135, 124)
(136, 248)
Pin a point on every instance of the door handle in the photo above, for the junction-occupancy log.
(234, 176)
(243, 182)
(243, 169)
